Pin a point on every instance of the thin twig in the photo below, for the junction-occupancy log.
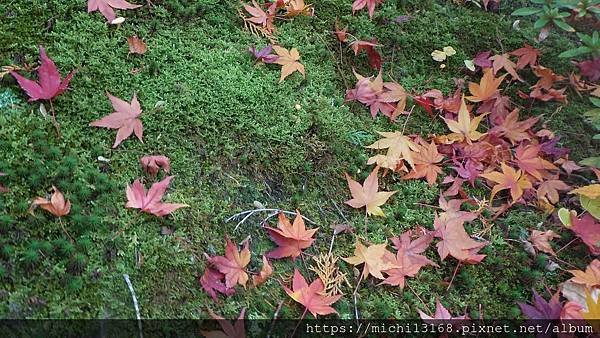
(249, 213)
(135, 304)
(407, 118)
(453, 275)
(54, 121)
(275, 317)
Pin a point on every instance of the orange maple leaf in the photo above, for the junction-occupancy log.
(288, 59)
(367, 194)
(455, 241)
(290, 238)
(464, 129)
(265, 272)
(503, 61)
(311, 296)
(57, 205)
(527, 159)
(487, 87)
(541, 240)
(399, 148)
(425, 163)
(590, 278)
(509, 178)
(233, 264)
(527, 56)
(376, 258)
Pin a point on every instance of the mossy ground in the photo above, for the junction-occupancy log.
(234, 136)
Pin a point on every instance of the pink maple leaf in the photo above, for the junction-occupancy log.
(125, 118)
(106, 7)
(150, 202)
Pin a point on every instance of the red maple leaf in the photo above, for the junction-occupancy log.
(150, 202)
(290, 238)
(408, 258)
(590, 69)
(212, 281)
(527, 56)
(233, 264)
(369, 48)
(588, 230)
(456, 242)
(311, 296)
(50, 84)
(370, 4)
(440, 313)
(125, 118)
(106, 7)
(237, 330)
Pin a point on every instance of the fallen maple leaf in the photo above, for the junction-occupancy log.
(367, 194)
(136, 45)
(482, 59)
(593, 311)
(441, 313)
(50, 84)
(298, 7)
(290, 238)
(541, 240)
(509, 178)
(263, 55)
(57, 205)
(588, 230)
(212, 281)
(486, 88)
(150, 202)
(311, 296)
(376, 258)
(590, 69)
(514, 130)
(233, 264)
(152, 164)
(289, 62)
(399, 148)
(542, 309)
(464, 129)
(590, 278)
(237, 330)
(106, 7)
(456, 242)
(527, 159)
(265, 272)
(373, 94)
(503, 61)
(125, 118)
(408, 258)
(370, 4)
(369, 47)
(527, 56)
(549, 190)
(425, 164)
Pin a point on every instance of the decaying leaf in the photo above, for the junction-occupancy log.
(57, 205)
(136, 45)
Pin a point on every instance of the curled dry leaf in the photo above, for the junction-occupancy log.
(152, 164)
(136, 45)
(57, 205)
(265, 272)
(541, 240)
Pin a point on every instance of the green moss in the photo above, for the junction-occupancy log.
(235, 136)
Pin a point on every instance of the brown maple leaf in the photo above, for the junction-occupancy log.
(265, 272)
(527, 56)
(290, 238)
(590, 278)
(503, 61)
(288, 59)
(541, 240)
(425, 164)
(57, 205)
(509, 178)
(233, 264)
(487, 87)
(366, 195)
(125, 118)
(546, 76)
(311, 296)
(376, 258)
(441, 313)
(514, 130)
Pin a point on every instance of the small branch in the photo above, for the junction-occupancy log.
(54, 121)
(135, 304)
(453, 275)
(275, 317)
(249, 213)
